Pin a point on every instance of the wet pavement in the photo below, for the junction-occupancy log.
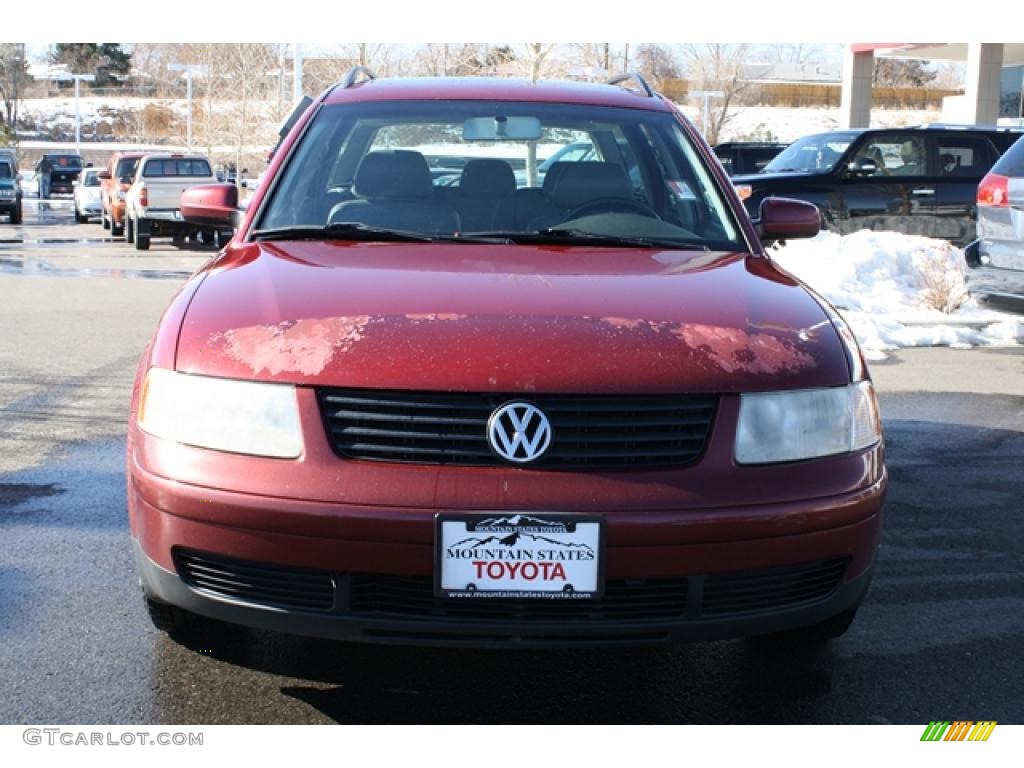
(939, 636)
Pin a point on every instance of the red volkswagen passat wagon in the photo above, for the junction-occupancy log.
(430, 395)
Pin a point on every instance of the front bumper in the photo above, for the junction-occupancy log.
(371, 569)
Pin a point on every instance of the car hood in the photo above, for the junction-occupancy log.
(507, 319)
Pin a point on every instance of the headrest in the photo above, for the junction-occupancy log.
(397, 174)
(582, 182)
(487, 178)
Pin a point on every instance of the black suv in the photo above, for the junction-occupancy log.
(58, 172)
(919, 181)
(739, 157)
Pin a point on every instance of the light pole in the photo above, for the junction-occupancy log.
(297, 73)
(708, 96)
(189, 70)
(78, 114)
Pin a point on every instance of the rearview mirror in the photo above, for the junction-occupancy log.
(211, 205)
(785, 219)
(501, 128)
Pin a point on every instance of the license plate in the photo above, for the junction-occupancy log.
(537, 555)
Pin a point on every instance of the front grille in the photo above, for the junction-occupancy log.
(257, 582)
(413, 596)
(451, 428)
(731, 593)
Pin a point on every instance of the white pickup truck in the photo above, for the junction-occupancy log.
(153, 203)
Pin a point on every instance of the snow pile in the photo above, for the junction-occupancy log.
(887, 286)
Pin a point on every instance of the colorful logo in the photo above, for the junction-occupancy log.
(959, 730)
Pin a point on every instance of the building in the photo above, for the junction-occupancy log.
(994, 88)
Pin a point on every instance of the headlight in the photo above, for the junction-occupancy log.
(807, 423)
(221, 414)
(6, 193)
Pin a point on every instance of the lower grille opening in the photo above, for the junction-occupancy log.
(273, 585)
(731, 593)
(413, 596)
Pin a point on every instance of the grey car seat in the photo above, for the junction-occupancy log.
(394, 190)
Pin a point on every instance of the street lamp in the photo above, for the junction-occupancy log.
(78, 115)
(708, 96)
(189, 70)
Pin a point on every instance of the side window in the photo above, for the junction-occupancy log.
(895, 154)
(964, 156)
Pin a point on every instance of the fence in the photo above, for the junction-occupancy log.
(816, 95)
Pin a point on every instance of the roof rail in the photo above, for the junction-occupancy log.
(352, 77)
(968, 127)
(635, 76)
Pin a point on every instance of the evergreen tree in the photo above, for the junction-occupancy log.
(107, 61)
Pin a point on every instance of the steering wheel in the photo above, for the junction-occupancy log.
(609, 204)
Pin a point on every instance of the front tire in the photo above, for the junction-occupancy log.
(129, 230)
(16, 215)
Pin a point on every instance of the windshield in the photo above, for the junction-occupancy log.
(812, 153)
(509, 170)
(91, 179)
(126, 167)
(5, 171)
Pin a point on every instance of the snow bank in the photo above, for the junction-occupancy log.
(888, 286)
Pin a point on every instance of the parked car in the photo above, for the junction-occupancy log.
(57, 172)
(87, 196)
(918, 181)
(996, 258)
(590, 413)
(10, 191)
(740, 157)
(115, 181)
(152, 202)
(11, 155)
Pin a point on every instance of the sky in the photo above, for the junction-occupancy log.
(471, 20)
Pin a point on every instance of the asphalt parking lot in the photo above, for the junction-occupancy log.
(938, 638)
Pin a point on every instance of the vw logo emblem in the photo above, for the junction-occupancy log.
(519, 432)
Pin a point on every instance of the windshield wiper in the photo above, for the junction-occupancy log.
(356, 232)
(569, 236)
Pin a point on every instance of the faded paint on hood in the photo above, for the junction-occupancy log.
(507, 319)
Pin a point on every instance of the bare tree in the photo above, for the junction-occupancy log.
(795, 53)
(718, 67)
(536, 55)
(656, 62)
(13, 80)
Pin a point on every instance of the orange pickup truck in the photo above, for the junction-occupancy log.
(114, 183)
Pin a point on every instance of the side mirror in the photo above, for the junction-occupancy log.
(211, 205)
(863, 167)
(785, 219)
(103, 175)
